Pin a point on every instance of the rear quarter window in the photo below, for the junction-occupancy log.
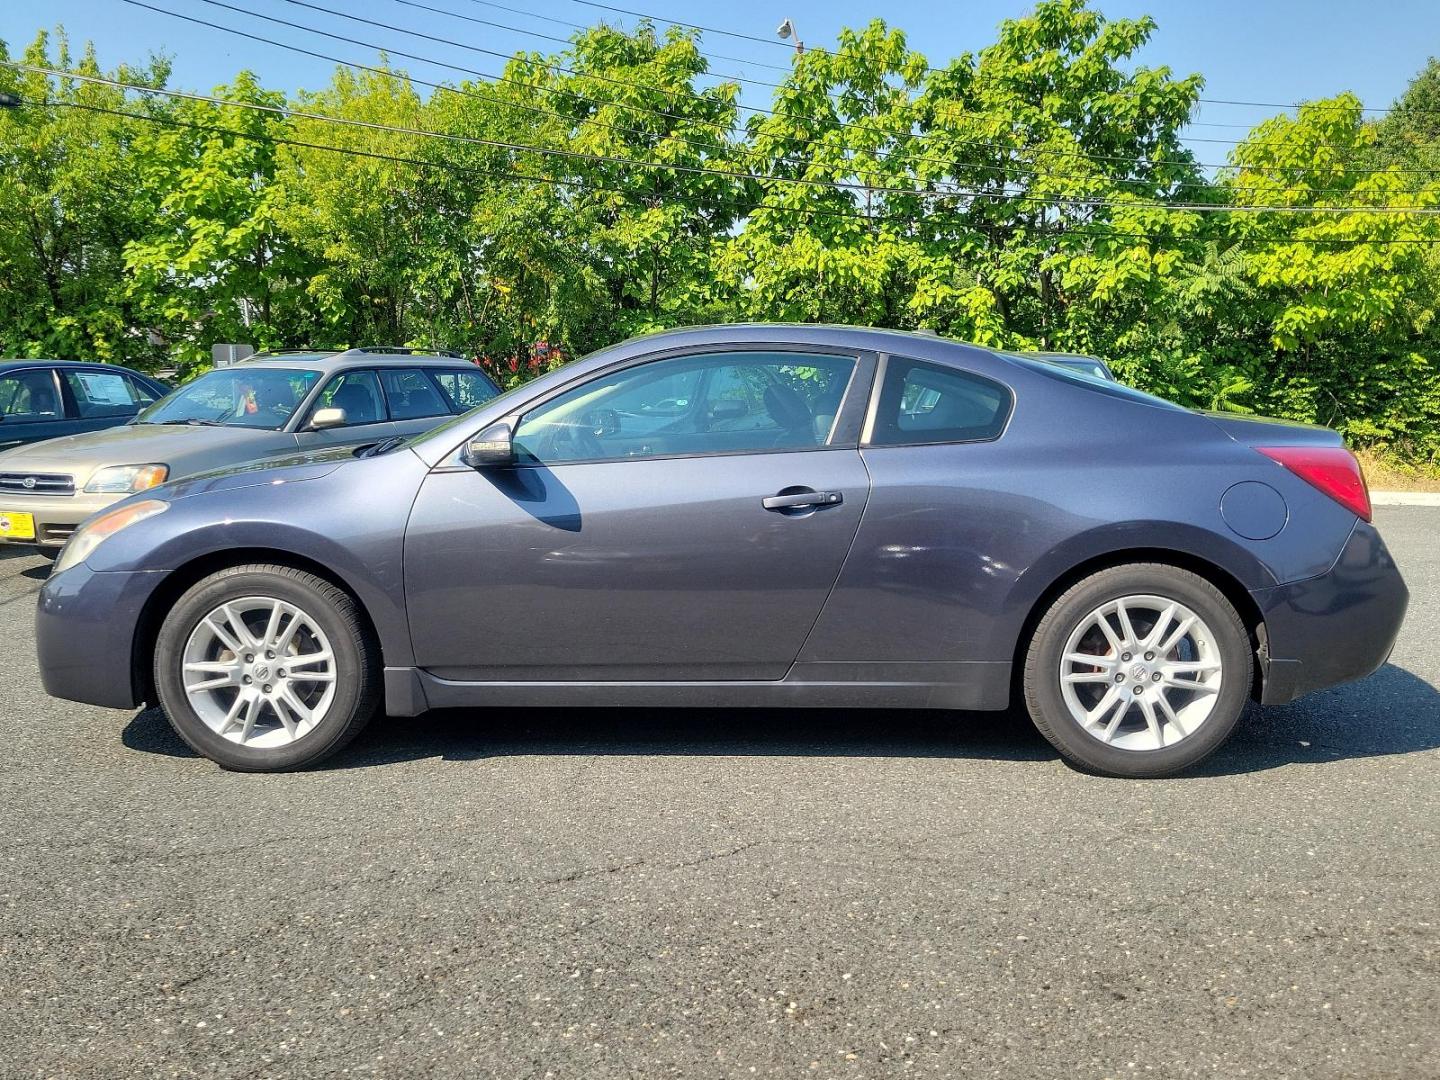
(463, 389)
(923, 403)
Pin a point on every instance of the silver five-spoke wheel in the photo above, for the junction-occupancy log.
(1141, 672)
(259, 671)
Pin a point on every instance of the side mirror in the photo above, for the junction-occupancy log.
(324, 419)
(491, 448)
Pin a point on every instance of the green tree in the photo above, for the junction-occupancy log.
(70, 204)
(214, 264)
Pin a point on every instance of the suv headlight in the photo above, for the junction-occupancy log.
(126, 479)
(90, 535)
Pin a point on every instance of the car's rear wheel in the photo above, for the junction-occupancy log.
(264, 668)
(1138, 671)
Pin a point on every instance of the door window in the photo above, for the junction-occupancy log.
(716, 403)
(411, 395)
(358, 393)
(464, 389)
(927, 403)
(142, 391)
(101, 394)
(30, 396)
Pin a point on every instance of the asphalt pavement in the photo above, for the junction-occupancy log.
(605, 893)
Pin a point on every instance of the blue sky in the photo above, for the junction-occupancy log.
(1260, 50)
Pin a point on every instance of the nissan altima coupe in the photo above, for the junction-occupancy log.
(747, 516)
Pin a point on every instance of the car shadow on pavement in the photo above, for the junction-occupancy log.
(1392, 712)
(38, 572)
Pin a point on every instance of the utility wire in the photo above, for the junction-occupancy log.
(756, 109)
(1039, 151)
(706, 54)
(579, 27)
(1021, 171)
(1079, 230)
(727, 173)
(928, 67)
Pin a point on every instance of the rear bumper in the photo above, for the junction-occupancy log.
(55, 515)
(85, 628)
(1337, 627)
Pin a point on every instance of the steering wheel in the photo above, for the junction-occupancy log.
(570, 440)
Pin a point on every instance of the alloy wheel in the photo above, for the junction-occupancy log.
(1141, 672)
(259, 671)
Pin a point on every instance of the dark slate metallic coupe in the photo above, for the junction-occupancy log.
(747, 515)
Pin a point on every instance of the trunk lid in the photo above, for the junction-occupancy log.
(1251, 430)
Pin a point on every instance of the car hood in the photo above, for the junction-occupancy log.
(279, 469)
(131, 444)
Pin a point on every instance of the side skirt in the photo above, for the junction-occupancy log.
(978, 686)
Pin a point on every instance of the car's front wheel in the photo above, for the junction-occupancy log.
(264, 668)
(1138, 671)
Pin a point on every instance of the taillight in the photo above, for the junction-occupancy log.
(1332, 469)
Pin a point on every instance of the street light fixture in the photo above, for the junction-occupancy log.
(786, 30)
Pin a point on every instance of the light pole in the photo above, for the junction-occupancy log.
(787, 31)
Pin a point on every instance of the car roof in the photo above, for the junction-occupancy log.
(81, 365)
(834, 335)
(323, 360)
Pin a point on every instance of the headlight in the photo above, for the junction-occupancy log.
(126, 479)
(88, 537)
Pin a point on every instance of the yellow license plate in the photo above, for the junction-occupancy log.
(17, 526)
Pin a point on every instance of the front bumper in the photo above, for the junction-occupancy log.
(85, 628)
(1334, 628)
(55, 515)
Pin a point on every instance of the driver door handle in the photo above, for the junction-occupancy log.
(802, 498)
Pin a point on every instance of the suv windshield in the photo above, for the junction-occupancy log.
(235, 397)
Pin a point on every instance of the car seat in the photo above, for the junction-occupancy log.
(788, 409)
(358, 403)
(42, 396)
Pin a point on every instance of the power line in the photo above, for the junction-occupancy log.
(1003, 171)
(732, 174)
(832, 124)
(1084, 231)
(929, 67)
(756, 109)
(579, 27)
(701, 52)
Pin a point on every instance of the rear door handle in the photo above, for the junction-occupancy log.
(802, 499)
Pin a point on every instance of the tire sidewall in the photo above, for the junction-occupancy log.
(202, 599)
(1042, 670)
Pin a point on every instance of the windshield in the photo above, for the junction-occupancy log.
(235, 397)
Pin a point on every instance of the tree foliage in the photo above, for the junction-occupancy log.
(1036, 193)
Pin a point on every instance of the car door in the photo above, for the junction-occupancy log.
(366, 418)
(102, 399)
(414, 401)
(639, 537)
(32, 407)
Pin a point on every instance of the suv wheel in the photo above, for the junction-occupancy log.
(263, 668)
(1138, 671)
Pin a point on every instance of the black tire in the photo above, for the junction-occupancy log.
(357, 665)
(49, 552)
(1044, 697)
